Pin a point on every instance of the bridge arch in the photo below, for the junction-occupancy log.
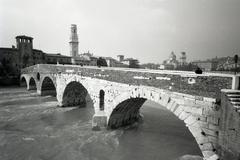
(23, 82)
(126, 110)
(48, 87)
(32, 84)
(75, 94)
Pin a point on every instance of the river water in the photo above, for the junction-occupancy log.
(34, 128)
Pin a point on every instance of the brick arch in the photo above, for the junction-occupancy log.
(47, 86)
(206, 143)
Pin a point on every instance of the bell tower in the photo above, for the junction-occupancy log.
(73, 43)
(25, 47)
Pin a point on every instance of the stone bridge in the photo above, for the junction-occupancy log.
(208, 103)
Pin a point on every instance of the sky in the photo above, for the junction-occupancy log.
(148, 30)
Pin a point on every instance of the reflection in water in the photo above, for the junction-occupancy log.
(33, 127)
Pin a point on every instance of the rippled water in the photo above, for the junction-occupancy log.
(34, 128)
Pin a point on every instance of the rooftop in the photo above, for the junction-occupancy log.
(24, 37)
(5, 48)
(130, 59)
(204, 61)
(57, 55)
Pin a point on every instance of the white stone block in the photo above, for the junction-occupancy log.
(202, 124)
(208, 154)
(184, 115)
(213, 157)
(198, 111)
(206, 146)
(178, 110)
(190, 120)
(202, 139)
(165, 100)
(169, 105)
(213, 127)
(174, 106)
(196, 131)
(213, 120)
(210, 132)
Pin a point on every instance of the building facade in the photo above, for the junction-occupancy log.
(57, 59)
(172, 63)
(183, 59)
(111, 62)
(208, 65)
(127, 62)
(227, 64)
(12, 60)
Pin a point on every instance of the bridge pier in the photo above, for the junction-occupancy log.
(99, 120)
(39, 92)
(30, 87)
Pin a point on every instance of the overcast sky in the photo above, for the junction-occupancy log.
(144, 29)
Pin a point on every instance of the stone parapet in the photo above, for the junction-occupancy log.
(198, 85)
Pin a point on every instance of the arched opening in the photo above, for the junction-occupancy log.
(75, 94)
(48, 87)
(32, 84)
(23, 82)
(38, 76)
(101, 100)
(161, 132)
(126, 113)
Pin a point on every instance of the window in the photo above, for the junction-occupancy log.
(101, 100)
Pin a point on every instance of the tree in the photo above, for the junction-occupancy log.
(101, 62)
(134, 64)
(6, 68)
(198, 71)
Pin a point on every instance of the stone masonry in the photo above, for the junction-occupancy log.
(194, 99)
